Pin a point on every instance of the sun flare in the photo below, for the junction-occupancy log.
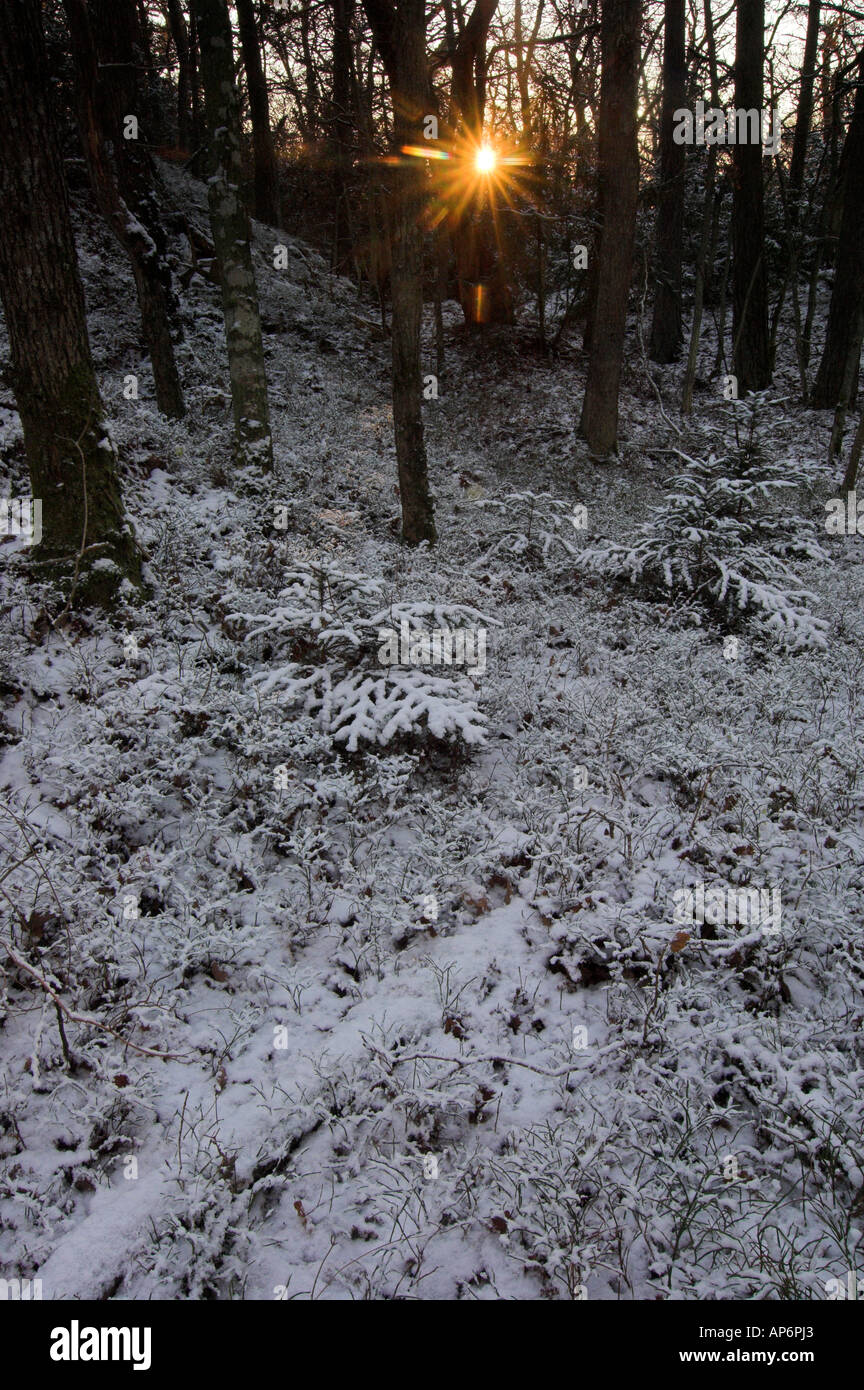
(485, 159)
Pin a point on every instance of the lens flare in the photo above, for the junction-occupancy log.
(485, 159)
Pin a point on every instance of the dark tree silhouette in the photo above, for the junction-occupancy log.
(105, 43)
(231, 236)
(619, 191)
(751, 352)
(400, 32)
(267, 207)
(666, 331)
(73, 467)
(838, 368)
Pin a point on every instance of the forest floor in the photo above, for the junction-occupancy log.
(429, 1027)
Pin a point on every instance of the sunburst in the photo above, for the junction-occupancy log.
(468, 170)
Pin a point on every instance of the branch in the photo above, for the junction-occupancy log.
(86, 1018)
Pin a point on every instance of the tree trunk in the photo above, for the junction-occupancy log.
(847, 295)
(199, 134)
(400, 33)
(794, 230)
(121, 174)
(409, 93)
(484, 291)
(751, 354)
(804, 115)
(180, 35)
(231, 237)
(619, 191)
(343, 12)
(267, 207)
(149, 107)
(710, 225)
(666, 332)
(73, 467)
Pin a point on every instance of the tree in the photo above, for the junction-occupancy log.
(751, 351)
(232, 237)
(73, 468)
(173, 10)
(342, 134)
(804, 114)
(711, 201)
(263, 150)
(838, 368)
(666, 330)
(107, 58)
(484, 293)
(619, 191)
(400, 33)
(794, 188)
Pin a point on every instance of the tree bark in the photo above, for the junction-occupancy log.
(231, 237)
(847, 295)
(794, 229)
(710, 224)
(73, 466)
(400, 33)
(267, 207)
(804, 114)
(751, 355)
(619, 191)
(180, 35)
(343, 13)
(484, 291)
(666, 331)
(199, 134)
(122, 176)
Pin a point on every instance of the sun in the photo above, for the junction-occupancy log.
(485, 159)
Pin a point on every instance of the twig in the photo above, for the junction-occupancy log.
(86, 1018)
(469, 1061)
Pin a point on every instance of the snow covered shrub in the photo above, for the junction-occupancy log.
(714, 539)
(330, 626)
(531, 528)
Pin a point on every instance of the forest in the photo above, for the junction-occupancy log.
(431, 618)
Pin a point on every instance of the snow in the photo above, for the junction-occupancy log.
(387, 953)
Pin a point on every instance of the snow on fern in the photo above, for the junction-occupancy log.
(712, 539)
(329, 624)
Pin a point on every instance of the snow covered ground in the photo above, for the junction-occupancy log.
(280, 1019)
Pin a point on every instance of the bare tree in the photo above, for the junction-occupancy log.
(666, 330)
(751, 354)
(400, 33)
(104, 43)
(73, 467)
(173, 11)
(342, 132)
(263, 150)
(231, 236)
(838, 369)
(619, 192)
